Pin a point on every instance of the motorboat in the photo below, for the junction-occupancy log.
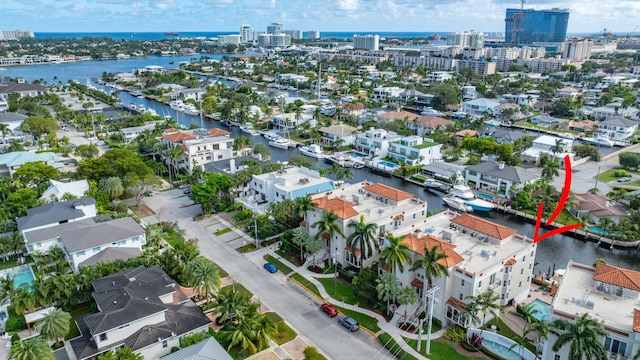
(461, 190)
(432, 183)
(280, 143)
(177, 105)
(247, 128)
(456, 203)
(598, 141)
(191, 109)
(313, 150)
(343, 159)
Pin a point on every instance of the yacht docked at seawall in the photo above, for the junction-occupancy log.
(247, 128)
(281, 143)
(191, 109)
(313, 150)
(177, 105)
(456, 203)
(345, 159)
(598, 141)
(461, 190)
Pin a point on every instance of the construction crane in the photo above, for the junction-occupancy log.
(522, 5)
(631, 33)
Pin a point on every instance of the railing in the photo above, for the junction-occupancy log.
(495, 285)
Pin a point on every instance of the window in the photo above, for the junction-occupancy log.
(492, 278)
(123, 326)
(135, 239)
(615, 346)
(479, 284)
(460, 297)
(96, 249)
(524, 258)
(38, 245)
(521, 271)
(556, 357)
(103, 337)
(462, 283)
(164, 344)
(80, 253)
(520, 284)
(121, 242)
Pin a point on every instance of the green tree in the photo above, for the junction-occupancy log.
(87, 151)
(341, 173)
(203, 275)
(54, 325)
(396, 254)
(36, 173)
(112, 186)
(122, 354)
(407, 296)
(4, 130)
(301, 161)
(583, 336)
(328, 224)
(486, 302)
(38, 125)
(363, 237)
(387, 286)
(31, 349)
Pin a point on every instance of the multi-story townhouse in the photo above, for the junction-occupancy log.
(200, 146)
(439, 76)
(375, 142)
(618, 128)
(607, 294)
(386, 93)
(56, 213)
(479, 107)
(414, 150)
(612, 110)
(416, 98)
(287, 184)
(499, 178)
(290, 121)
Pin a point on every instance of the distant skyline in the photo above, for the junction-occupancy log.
(587, 16)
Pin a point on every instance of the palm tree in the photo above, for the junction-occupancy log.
(583, 336)
(230, 302)
(112, 186)
(363, 237)
(407, 296)
(341, 173)
(54, 325)
(484, 303)
(396, 254)
(528, 314)
(263, 327)
(550, 170)
(302, 205)
(4, 130)
(31, 349)
(430, 264)
(204, 276)
(327, 225)
(387, 286)
(604, 224)
(7, 290)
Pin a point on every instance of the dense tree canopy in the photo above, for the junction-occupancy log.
(38, 125)
(122, 163)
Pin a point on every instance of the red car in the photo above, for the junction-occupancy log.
(329, 309)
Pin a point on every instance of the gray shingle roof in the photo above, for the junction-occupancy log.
(12, 117)
(619, 121)
(53, 213)
(99, 234)
(514, 174)
(112, 253)
(10, 88)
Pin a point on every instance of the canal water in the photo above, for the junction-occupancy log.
(552, 253)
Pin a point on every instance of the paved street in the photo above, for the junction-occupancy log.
(299, 308)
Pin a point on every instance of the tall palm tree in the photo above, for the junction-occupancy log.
(327, 225)
(387, 286)
(363, 237)
(583, 336)
(31, 349)
(431, 266)
(396, 254)
(4, 130)
(528, 314)
(204, 276)
(230, 302)
(55, 325)
(550, 170)
(7, 290)
(485, 303)
(302, 205)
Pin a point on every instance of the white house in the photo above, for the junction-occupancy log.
(618, 128)
(498, 178)
(375, 142)
(131, 133)
(332, 133)
(479, 107)
(613, 110)
(200, 146)
(58, 189)
(414, 150)
(386, 93)
(416, 98)
(292, 121)
(56, 213)
(142, 308)
(605, 293)
(546, 144)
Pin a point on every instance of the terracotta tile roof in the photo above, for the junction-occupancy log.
(218, 132)
(355, 251)
(510, 262)
(303, 223)
(179, 136)
(614, 275)
(341, 207)
(417, 283)
(636, 320)
(388, 192)
(432, 121)
(417, 245)
(353, 107)
(456, 303)
(398, 217)
(392, 115)
(484, 226)
(463, 133)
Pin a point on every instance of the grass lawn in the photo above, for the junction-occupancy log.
(362, 319)
(223, 274)
(7, 264)
(282, 267)
(505, 330)
(246, 248)
(440, 350)
(238, 287)
(73, 329)
(343, 291)
(607, 176)
(566, 218)
(284, 333)
(306, 283)
(223, 231)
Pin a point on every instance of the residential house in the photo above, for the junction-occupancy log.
(416, 98)
(597, 207)
(607, 294)
(617, 128)
(527, 99)
(502, 135)
(425, 124)
(10, 162)
(14, 122)
(142, 309)
(498, 178)
(387, 93)
(546, 121)
(131, 133)
(389, 116)
(441, 170)
(375, 142)
(343, 132)
(291, 121)
(196, 94)
(56, 213)
(613, 110)
(439, 76)
(414, 150)
(200, 146)
(583, 126)
(57, 190)
(348, 110)
(507, 111)
(568, 92)
(85, 242)
(22, 89)
(547, 144)
(479, 107)
(208, 349)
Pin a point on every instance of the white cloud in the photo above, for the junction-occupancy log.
(347, 5)
(165, 4)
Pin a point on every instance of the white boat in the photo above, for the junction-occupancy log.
(280, 143)
(152, 112)
(247, 128)
(461, 190)
(313, 150)
(133, 107)
(177, 105)
(191, 109)
(598, 141)
(343, 159)
(457, 203)
(432, 183)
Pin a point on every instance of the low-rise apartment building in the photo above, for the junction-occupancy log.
(414, 150)
(200, 146)
(375, 141)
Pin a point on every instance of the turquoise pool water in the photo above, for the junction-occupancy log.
(21, 277)
(502, 350)
(485, 196)
(543, 309)
(387, 164)
(597, 230)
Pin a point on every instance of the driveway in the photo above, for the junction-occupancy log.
(294, 304)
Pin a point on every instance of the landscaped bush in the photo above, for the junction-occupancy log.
(311, 353)
(390, 344)
(15, 323)
(455, 333)
(621, 173)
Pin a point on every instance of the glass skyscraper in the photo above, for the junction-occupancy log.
(526, 26)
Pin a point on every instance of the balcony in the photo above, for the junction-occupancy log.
(495, 285)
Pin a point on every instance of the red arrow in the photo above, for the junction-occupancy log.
(558, 210)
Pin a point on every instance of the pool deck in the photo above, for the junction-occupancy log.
(518, 324)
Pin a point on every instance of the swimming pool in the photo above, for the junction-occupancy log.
(485, 196)
(502, 350)
(543, 309)
(21, 277)
(597, 230)
(387, 164)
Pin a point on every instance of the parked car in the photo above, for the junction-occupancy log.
(329, 310)
(270, 268)
(187, 191)
(349, 323)
(624, 179)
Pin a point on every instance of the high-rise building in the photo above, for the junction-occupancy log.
(15, 35)
(275, 29)
(313, 34)
(474, 39)
(295, 34)
(367, 42)
(577, 49)
(273, 40)
(528, 26)
(246, 33)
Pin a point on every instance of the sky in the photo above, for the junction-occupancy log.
(587, 16)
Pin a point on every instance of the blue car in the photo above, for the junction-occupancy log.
(270, 268)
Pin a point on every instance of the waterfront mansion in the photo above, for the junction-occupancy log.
(481, 255)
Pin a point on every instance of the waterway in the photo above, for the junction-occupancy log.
(552, 253)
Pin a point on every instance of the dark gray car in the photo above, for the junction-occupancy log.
(349, 323)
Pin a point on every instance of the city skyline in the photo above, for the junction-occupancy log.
(587, 16)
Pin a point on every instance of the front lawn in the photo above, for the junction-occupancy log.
(306, 283)
(607, 176)
(279, 264)
(440, 350)
(222, 232)
(341, 292)
(362, 319)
